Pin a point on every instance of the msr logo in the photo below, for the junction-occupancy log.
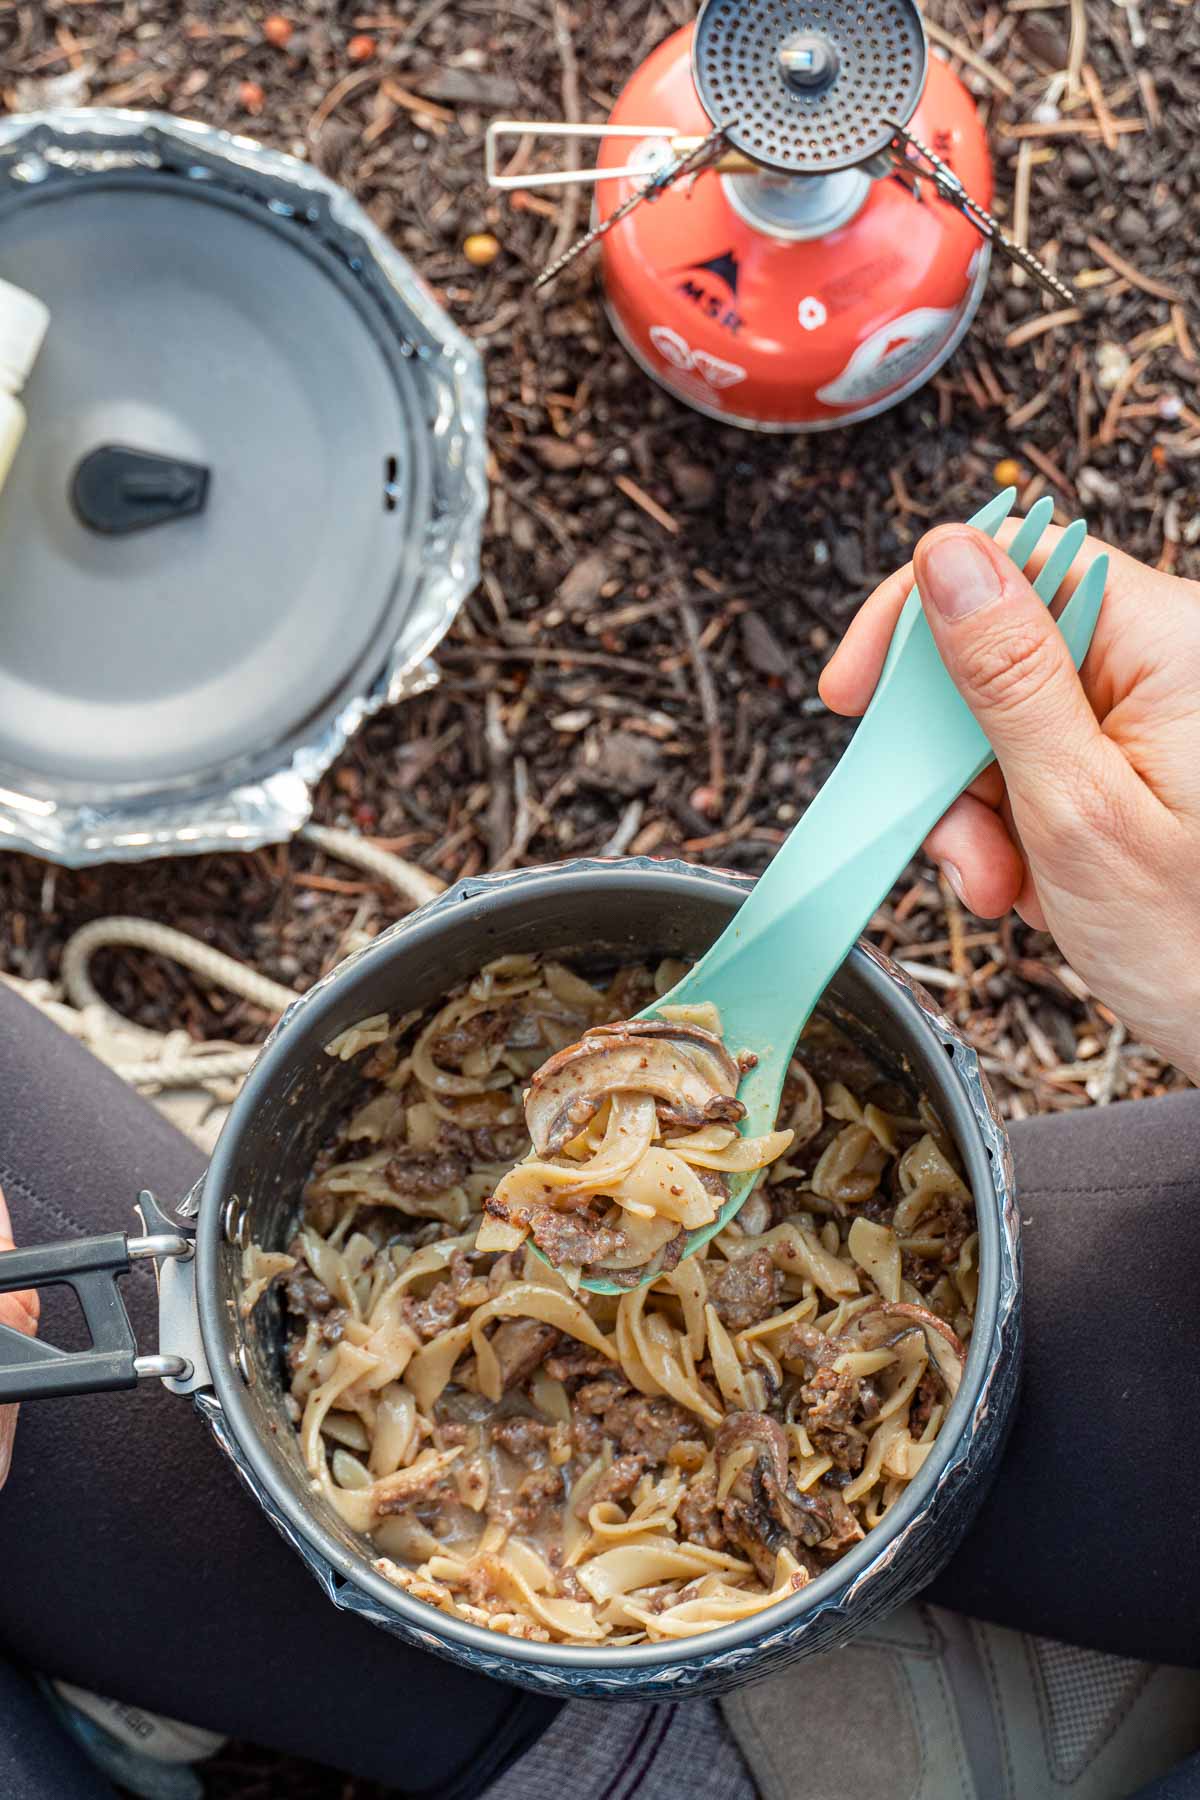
(712, 289)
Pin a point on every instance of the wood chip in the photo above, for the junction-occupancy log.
(1035, 328)
(349, 84)
(641, 498)
(964, 52)
(1022, 182)
(1157, 338)
(1146, 283)
(417, 103)
(1089, 128)
(1108, 427)
(1077, 48)
(1104, 118)
(1023, 414)
(1049, 468)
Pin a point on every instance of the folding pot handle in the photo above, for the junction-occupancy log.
(31, 1369)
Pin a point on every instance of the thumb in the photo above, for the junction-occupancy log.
(1010, 663)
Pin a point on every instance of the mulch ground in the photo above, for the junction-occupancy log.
(637, 670)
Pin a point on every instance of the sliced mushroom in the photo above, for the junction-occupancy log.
(946, 1348)
(723, 1109)
(870, 1329)
(704, 1048)
(763, 1511)
(756, 1431)
(568, 1090)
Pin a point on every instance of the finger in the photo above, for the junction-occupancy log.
(1011, 665)
(989, 787)
(8, 1426)
(1027, 905)
(848, 679)
(981, 862)
(1139, 603)
(19, 1310)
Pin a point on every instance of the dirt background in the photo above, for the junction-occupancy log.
(637, 670)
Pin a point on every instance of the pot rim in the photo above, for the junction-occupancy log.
(982, 1139)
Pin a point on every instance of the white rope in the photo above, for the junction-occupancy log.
(171, 1059)
(189, 1071)
(416, 886)
(145, 934)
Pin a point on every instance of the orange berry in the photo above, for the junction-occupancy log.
(481, 248)
(278, 31)
(361, 49)
(251, 97)
(1008, 473)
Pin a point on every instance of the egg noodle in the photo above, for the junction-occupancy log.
(616, 1468)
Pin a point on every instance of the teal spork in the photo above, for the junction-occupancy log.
(915, 750)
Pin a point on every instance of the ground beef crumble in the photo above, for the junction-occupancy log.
(832, 1402)
(439, 1308)
(535, 1493)
(649, 1428)
(522, 1437)
(520, 1346)
(745, 1292)
(699, 1515)
(618, 1483)
(420, 1172)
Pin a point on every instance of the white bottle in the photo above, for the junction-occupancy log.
(23, 322)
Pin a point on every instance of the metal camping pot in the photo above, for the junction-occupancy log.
(285, 1112)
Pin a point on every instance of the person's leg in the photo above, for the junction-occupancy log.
(38, 1761)
(131, 1560)
(1183, 1783)
(1092, 1531)
(1089, 1535)
(597, 1751)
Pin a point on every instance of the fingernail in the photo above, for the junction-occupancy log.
(958, 576)
(953, 875)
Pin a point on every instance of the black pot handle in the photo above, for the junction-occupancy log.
(31, 1369)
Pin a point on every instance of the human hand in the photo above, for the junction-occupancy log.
(21, 1311)
(1089, 821)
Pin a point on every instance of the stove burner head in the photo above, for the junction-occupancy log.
(807, 83)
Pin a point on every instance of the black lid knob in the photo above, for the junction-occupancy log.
(116, 490)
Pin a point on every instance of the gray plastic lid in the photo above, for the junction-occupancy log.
(187, 324)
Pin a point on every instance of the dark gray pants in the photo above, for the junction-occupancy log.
(132, 1563)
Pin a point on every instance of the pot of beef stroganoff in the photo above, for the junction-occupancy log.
(668, 1490)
